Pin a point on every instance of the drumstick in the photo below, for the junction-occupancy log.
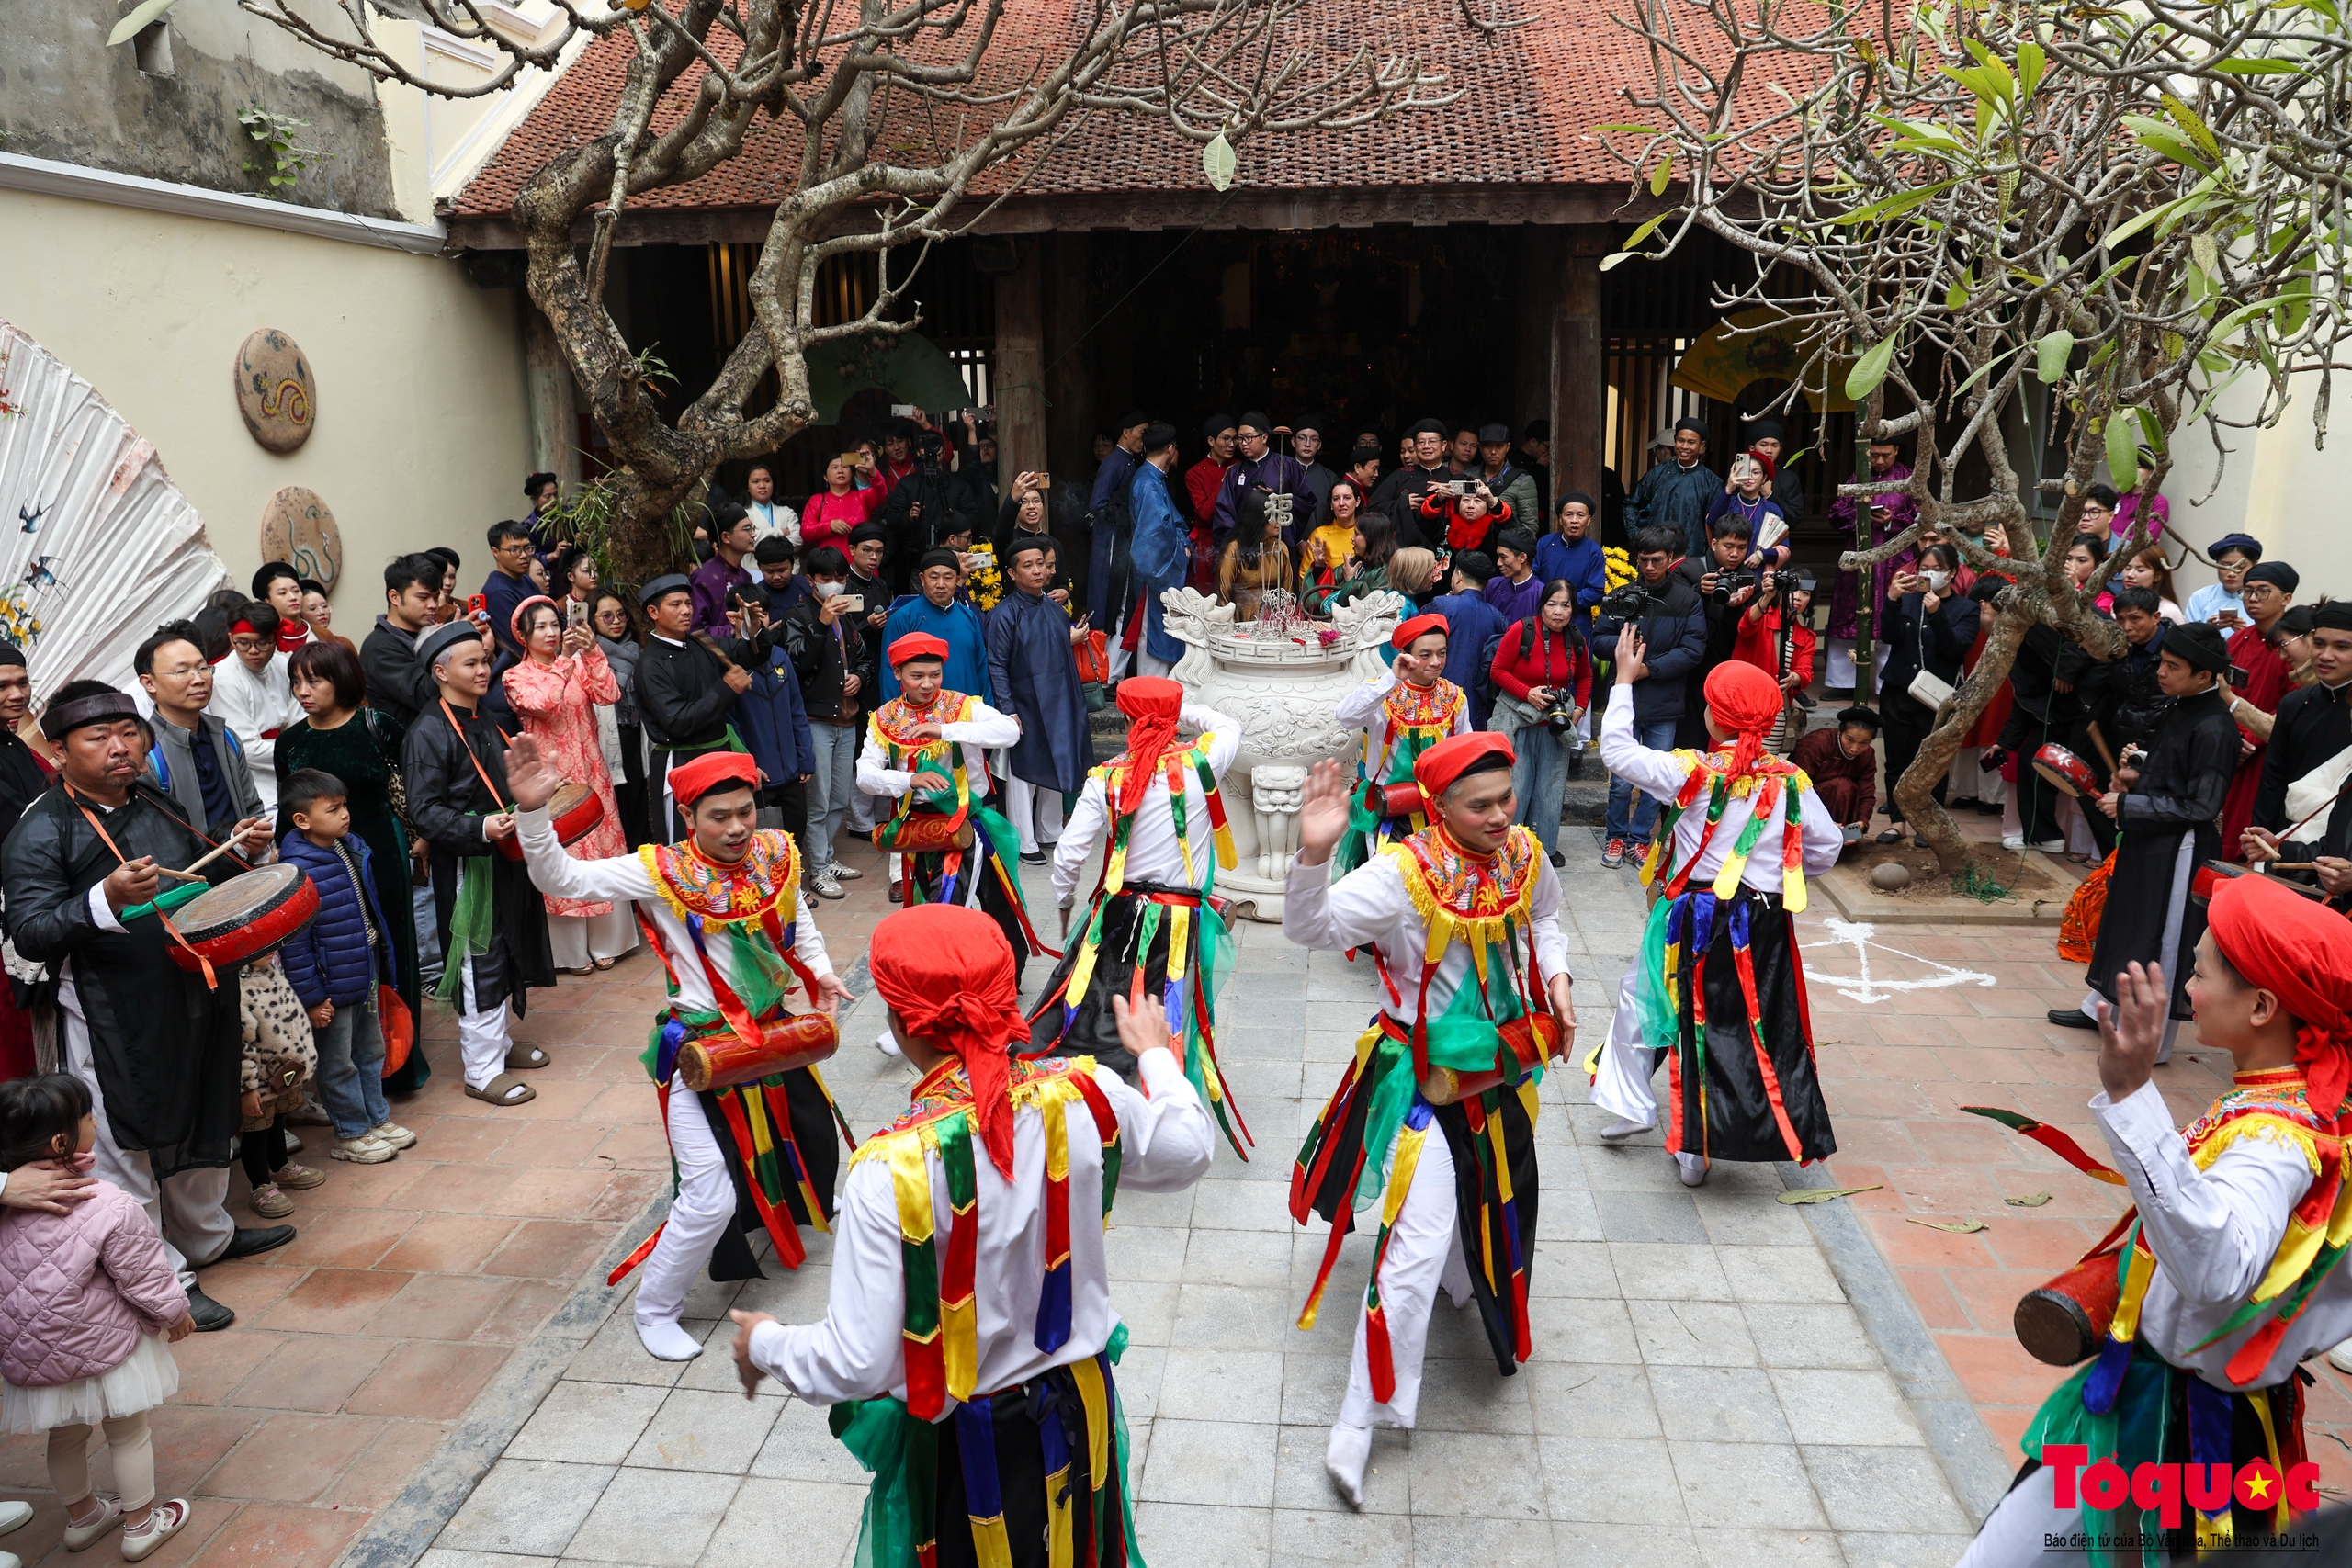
(183, 876)
(2106, 754)
(217, 851)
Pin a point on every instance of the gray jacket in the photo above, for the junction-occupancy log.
(174, 769)
(622, 656)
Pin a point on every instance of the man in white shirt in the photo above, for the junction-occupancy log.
(2224, 603)
(1156, 808)
(750, 952)
(1743, 1083)
(2228, 1288)
(969, 1333)
(253, 695)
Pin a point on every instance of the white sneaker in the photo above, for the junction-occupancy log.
(2341, 1357)
(14, 1516)
(1692, 1169)
(293, 1146)
(1626, 1127)
(823, 883)
(393, 1133)
(1345, 1457)
(310, 1113)
(844, 873)
(2052, 846)
(2013, 840)
(365, 1149)
(888, 1043)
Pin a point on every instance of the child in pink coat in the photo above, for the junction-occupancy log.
(89, 1300)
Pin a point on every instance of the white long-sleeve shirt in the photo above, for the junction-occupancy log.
(2213, 1233)
(1661, 774)
(251, 702)
(857, 1351)
(556, 873)
(1370, 906)
(1359, 709)
(980, 730)
(1153, 854)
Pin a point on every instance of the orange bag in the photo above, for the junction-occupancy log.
(1094, 659)
(2079, 927)
(400, 1029)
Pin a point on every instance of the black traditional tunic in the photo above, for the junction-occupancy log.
(2166, 825)
(447, 803)
(166, 1046)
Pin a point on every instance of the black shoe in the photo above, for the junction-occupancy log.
(898, 894)
(1033, 857)
(1804, 700)
(1559, 858)
(1576, 764)
(248, 1243)
(210, 1316)
(2072, 1018)
(1988, 808)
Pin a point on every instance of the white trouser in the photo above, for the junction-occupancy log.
(1423, 1251)
(1622, 1088)
(867, 812)
(190, 1207)
(2014, 1532)
(1841, 661)
(576, 939)
(1035, 811)
(698, 1215)
(1120, 657)
(1146, 665)
(483, 1033)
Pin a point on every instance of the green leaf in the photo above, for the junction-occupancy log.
(2122, 447)
(2031, 61)
(2051, 353)
(1824, 1194)
(2151, 429)
(2036, 1201)
(1660, 175)
(132, 24)
(2187, 119)
(1217, 162)
(1628, 130)
(1644, 232)
(1957, 1227)
(1870, 368)
(2259, 67)
(1956, 297)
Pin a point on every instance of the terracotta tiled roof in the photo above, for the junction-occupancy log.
(1529, 95)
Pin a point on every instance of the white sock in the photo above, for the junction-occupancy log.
(1694, 1168)
(666, 1341)
(1349, 1451)
(888, 1043)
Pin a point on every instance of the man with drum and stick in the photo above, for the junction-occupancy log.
(752, 998)
(2164, 810)
(967, 1351)
(158, 1044)
(454, 763)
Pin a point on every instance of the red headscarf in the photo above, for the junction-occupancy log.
(690, 780)
(947, 971)
(1151, 704)
(1770, 467)
(1420, 626)
(2294, 947)
(1437, 768)
(1746, 701)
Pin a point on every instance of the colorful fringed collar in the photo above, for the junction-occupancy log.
(1481, 904)
(1409, 707)
(766, 879)
(1173, 765)
(1764, 787)
(896, 720)
(939, 1330)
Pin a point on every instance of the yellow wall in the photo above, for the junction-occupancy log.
(422, 434)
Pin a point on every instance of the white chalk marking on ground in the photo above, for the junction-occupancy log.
(1865, 989)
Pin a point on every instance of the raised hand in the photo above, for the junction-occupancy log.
(531, 777)
(1322, 812)
(1631, 666)
(2131, 1029)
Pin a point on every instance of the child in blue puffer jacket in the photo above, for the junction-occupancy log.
(335, 963)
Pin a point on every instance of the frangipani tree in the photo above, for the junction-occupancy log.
(898, 113)
(2137, 207)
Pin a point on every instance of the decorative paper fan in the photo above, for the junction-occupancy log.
(96, 547)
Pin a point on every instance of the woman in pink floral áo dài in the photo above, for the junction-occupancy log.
(555, 690)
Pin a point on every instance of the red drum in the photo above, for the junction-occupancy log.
(1530, 1041)
(2066, 770)
(2062, 1323)
(721, 1061)
(573, 810)
(1396, 800)
(924, 832)
(244, 918)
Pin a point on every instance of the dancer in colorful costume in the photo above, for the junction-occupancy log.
(1434, 1120)
(722, 909)
(926, 747)
(1153, 928)
(1718, 975)
(973, 1384)
(1402, 714)
(2226, 1268)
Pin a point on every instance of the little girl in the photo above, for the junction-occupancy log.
(88, 1301)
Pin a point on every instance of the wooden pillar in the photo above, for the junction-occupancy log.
(554, 401)
(1537, 277)
(1021, 366)
(1069, 363)
(1579, 405)
(1112, 348)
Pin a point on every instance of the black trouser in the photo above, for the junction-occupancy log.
(1907, 725)
(628, 790)
(790, 802)
(263, 1154)
(2037, 796)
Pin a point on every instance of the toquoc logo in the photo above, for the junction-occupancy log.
(2208, 1488)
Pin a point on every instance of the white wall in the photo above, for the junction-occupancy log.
(421, 437)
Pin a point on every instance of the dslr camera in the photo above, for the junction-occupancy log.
(1730, 582)
(1629, 603)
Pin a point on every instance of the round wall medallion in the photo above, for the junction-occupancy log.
(274, 391)
(296, 528)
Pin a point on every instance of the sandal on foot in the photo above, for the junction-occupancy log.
(604, 964)
(163, 1521)
(81, 1537)
(504, 1090)
(583, 969)
(521, 1056)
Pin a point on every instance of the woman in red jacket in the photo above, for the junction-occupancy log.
(1543, 678)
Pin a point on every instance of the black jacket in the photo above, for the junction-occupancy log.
(166, 1046)
(2134, 705)
(1674, 638)
(683, 698)
(1936, 642)
(448, 799)
(22, 779)
(2313, 725)
(2187, 771)
(2043, 660)
(824, 656)
(937, 495)
(396, 683)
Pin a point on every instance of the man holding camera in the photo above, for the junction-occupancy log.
(1726, 585)
(921, 504)
(1672, 626)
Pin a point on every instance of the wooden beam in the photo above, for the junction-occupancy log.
(1069, 363)
(1537, 274)
(1021, 437)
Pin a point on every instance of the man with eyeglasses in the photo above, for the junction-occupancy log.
(254, 695)
(509, 582)
(1260, 468)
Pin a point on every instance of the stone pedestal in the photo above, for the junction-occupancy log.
(1283, 694)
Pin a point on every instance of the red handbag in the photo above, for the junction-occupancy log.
(1094, 659)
